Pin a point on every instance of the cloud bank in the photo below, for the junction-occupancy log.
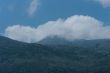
(72, 28)
(33, 7)
(105, 3)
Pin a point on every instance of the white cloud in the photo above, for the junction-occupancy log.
(33, 7)
(105, 3)
(74, 27)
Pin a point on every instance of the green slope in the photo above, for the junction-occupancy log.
(18, 57)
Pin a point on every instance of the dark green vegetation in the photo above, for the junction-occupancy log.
(99, 43)
(75, 57)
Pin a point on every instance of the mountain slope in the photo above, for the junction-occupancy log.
(99, 43)
(18, 57)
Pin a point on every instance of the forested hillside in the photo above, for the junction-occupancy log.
(18, 57)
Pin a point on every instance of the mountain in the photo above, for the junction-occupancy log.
(18, 57)
(99, 43)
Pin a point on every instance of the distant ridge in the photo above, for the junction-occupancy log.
(101, 43)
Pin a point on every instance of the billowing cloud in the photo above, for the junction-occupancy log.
(105, 3)
(74, 27)
(33, 7)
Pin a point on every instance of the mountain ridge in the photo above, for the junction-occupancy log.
(18, 57)
(80, 43)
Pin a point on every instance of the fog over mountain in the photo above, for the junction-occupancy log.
(73, 28)
(54, 36)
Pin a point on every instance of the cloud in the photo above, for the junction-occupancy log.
(74, 27)
(105, 3)
(33, 7)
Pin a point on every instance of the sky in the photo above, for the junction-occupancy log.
(34, 20)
